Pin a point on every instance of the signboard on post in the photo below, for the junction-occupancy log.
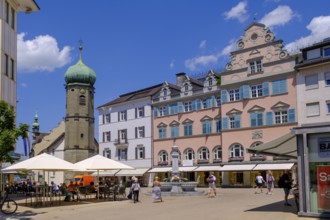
(323, 186)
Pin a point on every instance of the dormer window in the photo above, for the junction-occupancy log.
(255, 66)
(326, 51)
(186, 87)
(165, 92)
(210, 80)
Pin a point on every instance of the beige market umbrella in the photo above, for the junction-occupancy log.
(99, 162)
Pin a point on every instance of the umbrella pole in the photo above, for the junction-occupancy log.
(98, 178)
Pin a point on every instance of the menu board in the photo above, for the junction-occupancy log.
(323, 186)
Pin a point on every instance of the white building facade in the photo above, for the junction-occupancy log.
(125, 131)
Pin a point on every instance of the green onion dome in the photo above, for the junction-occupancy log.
(80, 73)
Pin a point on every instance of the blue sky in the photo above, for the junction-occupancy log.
(136, 44)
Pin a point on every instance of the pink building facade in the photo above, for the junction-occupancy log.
(258, 93)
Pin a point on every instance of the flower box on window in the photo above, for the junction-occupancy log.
(202, 161)
(162, 163)
(235, 159)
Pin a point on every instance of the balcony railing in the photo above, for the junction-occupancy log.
(235, 159)
(217, 160)
(202, 161)
(120, 142)
(162, 163)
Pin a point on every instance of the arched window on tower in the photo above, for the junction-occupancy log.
(82, 100)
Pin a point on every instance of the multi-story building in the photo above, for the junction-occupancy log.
(313, 133)
(188, 116)
(259, 104)
(8, 46)
(125, 131)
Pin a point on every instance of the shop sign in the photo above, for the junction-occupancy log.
(324, 147)
(323, 186)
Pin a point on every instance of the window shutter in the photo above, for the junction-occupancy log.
(103, 119)
(265, 89)
(292, 117)
(246, 92)
(136, 112)
(143, 134)
(213, 102)
(225, 123)
(119, 154)
(103, 153)
(125, 154)
(283, 87)
(143, 107)
(155, 112)
(260, 119)
(193, 105)
(198, 104)
(237, 121)
(224, 96)
(144, 152)
(126, 136)
(269, 118)
(180, 107)
(136, 153)
(253, 119)
(166, 109)
(118, 116)
(136, 132)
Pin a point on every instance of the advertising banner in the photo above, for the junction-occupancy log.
(323, 186)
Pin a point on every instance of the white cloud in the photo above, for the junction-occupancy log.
(24, 85)
(238, 12)
(320, 29)
(205, 60)
(172, 64)
(40, 54)
(278, 17)
(202, 44)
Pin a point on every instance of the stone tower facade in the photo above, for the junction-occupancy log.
(79, 120)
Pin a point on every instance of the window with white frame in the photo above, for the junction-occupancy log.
(106, 136)
(327, 79)
(186, 87)
(107, 153)
(106, 118)
(234, 95)
(203, 154)
(122, 136)
(255, 66)
(236, 151)
(312, 81)
(189, 154)
(140, 112)
(254, 145)
(256, 91)
(161, 111)
(163, 156)
(140, 152)
(234, 121)
(313, 109)
(281, 117)
(217, 153)
(122, 116)
(139, 132)
(187, 106)
(210, 81)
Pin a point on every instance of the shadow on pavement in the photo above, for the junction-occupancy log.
(26, 215)
(276, 207)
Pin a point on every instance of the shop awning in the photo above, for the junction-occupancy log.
(208, 168)
(285, 146)
(136, 172)
(186, 169)
(160, 170)
(106, 173)
(274, 166)
(240, 167)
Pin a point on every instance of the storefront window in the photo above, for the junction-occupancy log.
(319, 171)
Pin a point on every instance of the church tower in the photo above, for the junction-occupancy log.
(79, 141)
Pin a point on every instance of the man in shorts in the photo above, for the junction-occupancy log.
(211, 180)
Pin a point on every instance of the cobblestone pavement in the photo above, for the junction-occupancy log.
(228, 204)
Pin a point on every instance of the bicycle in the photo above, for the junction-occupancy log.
(8, 206)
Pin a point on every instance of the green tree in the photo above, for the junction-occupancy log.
(8, 132)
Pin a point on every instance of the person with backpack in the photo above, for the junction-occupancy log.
(270, 182)
(287, 185)
(211, 180)
(136, 190)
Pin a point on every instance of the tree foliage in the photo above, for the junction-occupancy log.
(8, 132)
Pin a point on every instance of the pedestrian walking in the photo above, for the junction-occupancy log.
(259, 183)
(157, 192)
(287, 185)
(211, 180)
(136, 190)
(270, 182)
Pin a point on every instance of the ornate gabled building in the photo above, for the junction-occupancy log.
(259, 104)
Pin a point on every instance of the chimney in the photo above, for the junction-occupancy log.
(180, 77)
